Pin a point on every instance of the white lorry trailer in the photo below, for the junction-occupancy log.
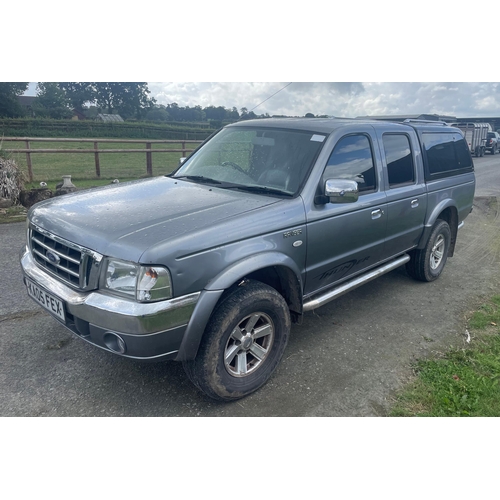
(475, 136)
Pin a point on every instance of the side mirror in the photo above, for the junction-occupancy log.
(182, 160)
(341, 191)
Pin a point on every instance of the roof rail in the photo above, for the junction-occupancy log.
(430, 122)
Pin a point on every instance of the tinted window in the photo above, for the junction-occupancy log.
(352, 159)
(445, 152)
(463, 154)
(399, 159)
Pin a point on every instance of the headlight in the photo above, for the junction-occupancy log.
(143, 283)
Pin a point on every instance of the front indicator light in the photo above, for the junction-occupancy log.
(153, 284)
(143, 283)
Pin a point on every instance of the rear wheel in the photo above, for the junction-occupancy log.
(427, 264)
(243, 343)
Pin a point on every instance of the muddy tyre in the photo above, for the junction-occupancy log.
(242, 344)
(428, 263)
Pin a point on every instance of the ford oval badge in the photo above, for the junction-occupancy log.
(52, 257)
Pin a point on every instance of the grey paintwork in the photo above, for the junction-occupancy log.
(211, 238)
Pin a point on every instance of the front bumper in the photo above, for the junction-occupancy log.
(147, 330)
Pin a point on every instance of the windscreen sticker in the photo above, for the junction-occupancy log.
(318, 138)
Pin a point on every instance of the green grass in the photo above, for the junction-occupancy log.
(463, 382)
(52, 166)
(12, 214)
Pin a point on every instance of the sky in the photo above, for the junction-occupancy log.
(342, 99)
(338, 98)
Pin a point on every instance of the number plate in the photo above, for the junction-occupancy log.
(46, 300)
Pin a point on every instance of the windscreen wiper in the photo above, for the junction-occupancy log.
(198, 178)
(263, 189)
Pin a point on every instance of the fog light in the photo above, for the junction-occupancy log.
(114, 342)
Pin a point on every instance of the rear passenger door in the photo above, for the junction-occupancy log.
(405, 190)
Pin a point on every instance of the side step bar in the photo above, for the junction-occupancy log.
(321, 300)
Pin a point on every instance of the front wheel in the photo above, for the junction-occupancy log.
(427, 264)
(243, 343)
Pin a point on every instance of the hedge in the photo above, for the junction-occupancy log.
(33, 127)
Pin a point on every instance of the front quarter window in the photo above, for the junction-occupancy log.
(255, 157)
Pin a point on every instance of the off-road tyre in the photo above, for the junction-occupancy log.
(427, 264)
(214, 375)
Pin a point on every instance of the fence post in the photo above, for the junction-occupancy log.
(97, 164)
(28, 161)
(149, 160)
(183, 148)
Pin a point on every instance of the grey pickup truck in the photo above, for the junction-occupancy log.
(266, 220)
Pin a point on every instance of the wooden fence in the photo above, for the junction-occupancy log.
(96, 151)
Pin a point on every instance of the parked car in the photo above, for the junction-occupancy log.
(266, 220)
(493, 142)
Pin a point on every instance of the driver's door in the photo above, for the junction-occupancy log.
(343, 239)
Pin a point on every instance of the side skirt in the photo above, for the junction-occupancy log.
(320, 300)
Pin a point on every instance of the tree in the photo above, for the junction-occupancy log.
(79, 93)
(213, 113)
(9, 102)
(51, 101)
(158, 114)
(129, 99)
(247, 116)
(233, 114)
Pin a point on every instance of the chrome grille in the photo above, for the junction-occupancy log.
(58, 258)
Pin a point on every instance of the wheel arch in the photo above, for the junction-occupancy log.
(272, 268)
(447, 211)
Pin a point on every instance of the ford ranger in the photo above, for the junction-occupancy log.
(266, 220)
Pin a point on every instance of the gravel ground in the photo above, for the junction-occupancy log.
(347, 359)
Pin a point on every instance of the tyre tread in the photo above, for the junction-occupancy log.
(202, 371)
(417, 267)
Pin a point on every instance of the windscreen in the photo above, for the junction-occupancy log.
(255, 157)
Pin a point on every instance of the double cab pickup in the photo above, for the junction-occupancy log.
(266, 220)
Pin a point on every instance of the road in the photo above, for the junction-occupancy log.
(347, 359)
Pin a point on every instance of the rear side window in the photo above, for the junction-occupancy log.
(399, 159)
(352, 159)
(446, 153)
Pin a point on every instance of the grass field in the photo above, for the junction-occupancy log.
(462, 382)
(49, 167)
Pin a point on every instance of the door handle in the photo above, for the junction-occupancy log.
(376, 214)
(414, 203)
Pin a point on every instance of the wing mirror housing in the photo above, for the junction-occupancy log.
(341, 191)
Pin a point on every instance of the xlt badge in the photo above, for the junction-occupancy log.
(294, 232)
